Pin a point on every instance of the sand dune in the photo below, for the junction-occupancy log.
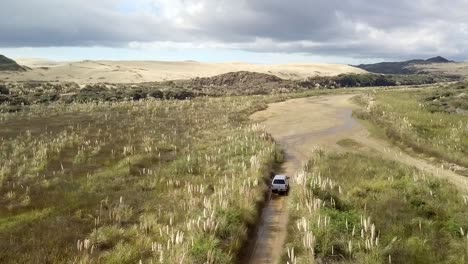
(146, 71)
(37, 62)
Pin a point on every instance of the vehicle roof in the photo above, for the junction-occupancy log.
(280, 177)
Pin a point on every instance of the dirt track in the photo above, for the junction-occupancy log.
(299, 125)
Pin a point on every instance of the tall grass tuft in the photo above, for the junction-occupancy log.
(359, 208)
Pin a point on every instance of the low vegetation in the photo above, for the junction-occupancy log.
(453, 100)
(22, 94)
(359, 208)
(146, 181)
(17, 96)
(370, 80)
(429, 121)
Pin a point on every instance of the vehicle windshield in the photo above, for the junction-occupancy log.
(279, 182)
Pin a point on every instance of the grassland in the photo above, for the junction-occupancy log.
(130, 180)
(430, 121)
(359, 208)
(151, 181)
(155, 180)
(356, 207)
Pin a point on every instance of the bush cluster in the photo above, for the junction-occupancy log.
(366, 80)
(4, 89)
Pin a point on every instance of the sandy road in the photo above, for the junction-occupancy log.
(299, 125)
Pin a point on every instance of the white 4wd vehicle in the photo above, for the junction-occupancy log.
(280, 184)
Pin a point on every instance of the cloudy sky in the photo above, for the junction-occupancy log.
(261, 31)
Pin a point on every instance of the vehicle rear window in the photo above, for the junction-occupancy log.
(278, 182)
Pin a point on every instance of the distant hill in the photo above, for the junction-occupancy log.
(438, 59)
(7, 64)
(404, 67)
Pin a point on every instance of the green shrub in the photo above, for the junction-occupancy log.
(178, 94)
(18, 100)
(4, 89)
(204, 248)
(4, 98)
(366, 80)
(137, 94)
(158, 94)
(97, 94)
(48, 98)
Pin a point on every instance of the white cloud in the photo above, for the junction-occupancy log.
(353, 28)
